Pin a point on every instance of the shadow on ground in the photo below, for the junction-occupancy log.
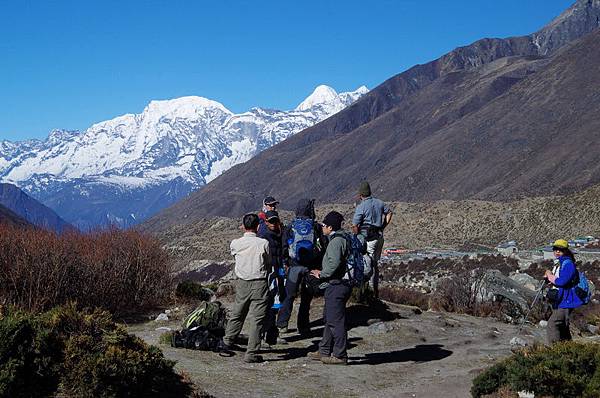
(420, 353)
(289, 353)
(364, 314)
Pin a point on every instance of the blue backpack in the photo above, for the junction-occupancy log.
(302, 241)
(355, 262)
(582, 290)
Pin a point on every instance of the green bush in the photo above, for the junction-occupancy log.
(567, 369)
(194, 290)
(80, 354)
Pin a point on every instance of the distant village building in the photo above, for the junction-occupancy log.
(508, 249)
(548, 253)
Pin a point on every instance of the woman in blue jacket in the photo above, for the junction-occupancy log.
(565, 277)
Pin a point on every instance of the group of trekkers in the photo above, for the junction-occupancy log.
(276, 263)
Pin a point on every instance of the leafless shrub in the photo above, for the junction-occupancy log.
(464, 293)
(121, 271)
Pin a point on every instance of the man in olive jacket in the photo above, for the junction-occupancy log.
(332, 348)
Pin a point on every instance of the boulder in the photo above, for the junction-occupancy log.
(162, 317)
(526, 281)
(497, 287)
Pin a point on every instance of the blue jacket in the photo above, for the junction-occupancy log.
(566, 284)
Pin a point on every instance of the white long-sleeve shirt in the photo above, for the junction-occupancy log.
(252, 257)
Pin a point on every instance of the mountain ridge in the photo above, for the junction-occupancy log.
(385, 126)
(135, 164)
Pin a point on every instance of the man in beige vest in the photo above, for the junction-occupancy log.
(252, 265)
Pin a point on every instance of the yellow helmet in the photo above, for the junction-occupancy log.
(561, 244)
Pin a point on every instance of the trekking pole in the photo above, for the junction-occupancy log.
(539, 292)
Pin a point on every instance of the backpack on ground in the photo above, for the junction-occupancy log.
(302, 241)
(203, 328)
(355, 262)
(208, 315)
(582, 290)
(196, 338)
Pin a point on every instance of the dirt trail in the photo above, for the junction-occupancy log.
(397, 352)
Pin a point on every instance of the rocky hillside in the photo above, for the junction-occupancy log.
(498, 119)
(453, 224)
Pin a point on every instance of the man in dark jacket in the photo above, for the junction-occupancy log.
(272, 233)
(302, 252)
(269, 204)
(332, 348)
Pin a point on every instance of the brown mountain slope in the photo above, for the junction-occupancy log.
(434, 131)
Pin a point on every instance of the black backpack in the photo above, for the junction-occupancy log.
(196, 338)
(203, 329)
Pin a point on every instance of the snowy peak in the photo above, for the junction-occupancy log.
(322, 95)
(326, 99)
(184, 107)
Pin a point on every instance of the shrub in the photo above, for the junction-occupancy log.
(567, 369)
(122, 271)
(362, 295)
(80, 354)
(27, 357)
(194, 291)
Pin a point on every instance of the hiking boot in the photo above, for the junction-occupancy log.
(304, 332)
(264, 346)
(283, 330)
(315, 356)
(334, 360)
(253, 359)
(230, 347)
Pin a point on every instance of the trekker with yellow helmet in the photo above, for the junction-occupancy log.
(564, 277)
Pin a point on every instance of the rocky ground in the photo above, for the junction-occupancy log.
(395, 351)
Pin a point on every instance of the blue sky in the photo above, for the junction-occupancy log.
(68, 64)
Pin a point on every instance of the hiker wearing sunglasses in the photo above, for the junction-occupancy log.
(564, 299)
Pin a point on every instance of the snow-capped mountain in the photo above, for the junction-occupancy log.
(123, 170)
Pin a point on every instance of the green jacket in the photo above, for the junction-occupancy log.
(334, 261)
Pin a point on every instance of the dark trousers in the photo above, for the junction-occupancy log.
(269, 332)
(335, 335)
(558, 325)
(293, 287)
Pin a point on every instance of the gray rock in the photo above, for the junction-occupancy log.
(163, 329)
(525, 281)
(525, 394)
(543, 324)
(497, 287)
(517, 342)
(162, 318)
(380, 327)
(593, 329)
